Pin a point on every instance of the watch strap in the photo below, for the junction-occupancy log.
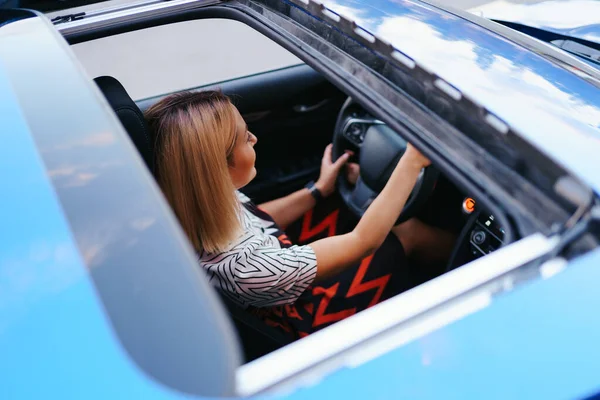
(316, 193)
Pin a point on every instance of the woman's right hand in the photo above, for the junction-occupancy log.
(353, 169)
(415, 155)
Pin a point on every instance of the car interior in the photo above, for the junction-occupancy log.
(296, 112)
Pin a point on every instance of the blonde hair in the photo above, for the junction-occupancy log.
(195, 133)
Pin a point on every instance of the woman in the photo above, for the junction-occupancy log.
(205, 153)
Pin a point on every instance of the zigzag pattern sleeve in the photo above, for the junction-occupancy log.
(256, 271)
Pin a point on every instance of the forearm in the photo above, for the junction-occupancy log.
(380, 217)
(288, 209)
(336, 253)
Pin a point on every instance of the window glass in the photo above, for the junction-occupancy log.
(184, 55)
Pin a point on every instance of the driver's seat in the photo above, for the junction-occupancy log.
(130, 115)
(257, 337)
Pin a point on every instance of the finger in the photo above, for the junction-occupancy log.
(341, 161)
(352, 172)
(327, 153)
(353, 167)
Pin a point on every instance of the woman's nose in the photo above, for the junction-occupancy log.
(254, 138)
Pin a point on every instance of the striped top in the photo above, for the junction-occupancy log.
(259, 269)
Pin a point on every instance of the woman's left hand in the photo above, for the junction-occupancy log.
(330, 171)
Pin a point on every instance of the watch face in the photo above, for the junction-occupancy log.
(316, 193)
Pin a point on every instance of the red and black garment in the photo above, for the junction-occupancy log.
(368, 282)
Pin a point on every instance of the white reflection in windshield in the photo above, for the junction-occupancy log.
(555, 14)
(483, 75)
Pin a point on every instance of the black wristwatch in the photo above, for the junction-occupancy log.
(316, 193)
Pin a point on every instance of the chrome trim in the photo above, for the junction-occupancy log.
(105, 18)
(305, 108)
(293, 364)
(448, 89)
(366, 121)
(369, 121)
(120, 7)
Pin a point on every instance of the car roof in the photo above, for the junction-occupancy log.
(63, 324)
(546, 103)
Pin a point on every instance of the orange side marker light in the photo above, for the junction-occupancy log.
(468, 205)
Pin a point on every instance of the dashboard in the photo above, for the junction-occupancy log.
(480, 231)
(482, 234)
(486, 235)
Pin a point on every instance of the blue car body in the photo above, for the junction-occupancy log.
(536, 341)
(52, 321)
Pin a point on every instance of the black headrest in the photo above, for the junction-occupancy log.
(130, 115)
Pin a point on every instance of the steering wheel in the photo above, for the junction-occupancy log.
(379, 149)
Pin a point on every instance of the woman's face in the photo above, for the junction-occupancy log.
(242, 168)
